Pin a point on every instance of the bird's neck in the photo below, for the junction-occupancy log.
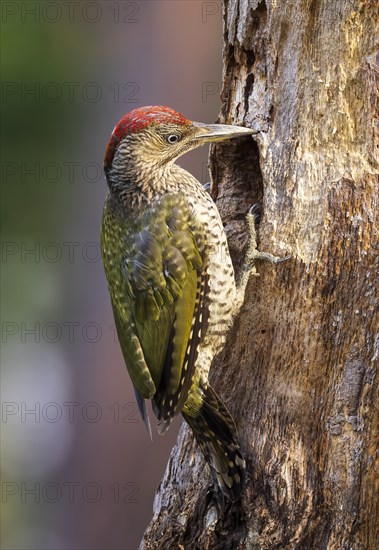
(133, 188)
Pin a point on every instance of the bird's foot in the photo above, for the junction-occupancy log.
(207, 186)
(253, 253)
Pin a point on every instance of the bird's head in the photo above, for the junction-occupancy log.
(150, 138)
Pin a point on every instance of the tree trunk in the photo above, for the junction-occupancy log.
(298, 371)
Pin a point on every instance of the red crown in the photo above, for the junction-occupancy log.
(138, 120)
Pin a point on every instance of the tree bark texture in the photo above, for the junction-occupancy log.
(299, 371)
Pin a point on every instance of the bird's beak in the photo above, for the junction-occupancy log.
(219, 132)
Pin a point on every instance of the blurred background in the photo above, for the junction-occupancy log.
(78, 470)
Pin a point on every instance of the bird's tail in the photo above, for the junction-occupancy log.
(215, 432)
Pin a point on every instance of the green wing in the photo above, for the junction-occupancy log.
(155, 265)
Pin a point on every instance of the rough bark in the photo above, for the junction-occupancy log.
(299, 371)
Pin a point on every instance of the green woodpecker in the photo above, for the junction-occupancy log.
(171, 279)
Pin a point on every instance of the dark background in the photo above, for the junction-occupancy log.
(78, 470)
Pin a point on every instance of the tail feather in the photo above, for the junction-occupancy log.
(214, 429)
(143, 411)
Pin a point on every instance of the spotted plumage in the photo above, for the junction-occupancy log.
(170, 277)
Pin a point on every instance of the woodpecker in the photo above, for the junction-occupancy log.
(171, 279)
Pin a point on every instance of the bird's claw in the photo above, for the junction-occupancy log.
(256, 211)
(267, 257)
(207, 186)
(253, 254)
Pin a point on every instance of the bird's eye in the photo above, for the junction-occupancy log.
(173, 138)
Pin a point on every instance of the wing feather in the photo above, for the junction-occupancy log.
(159, 288)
